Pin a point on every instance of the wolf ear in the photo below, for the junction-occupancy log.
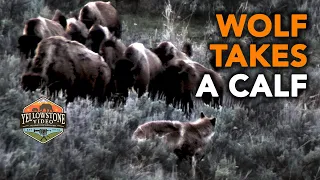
(202, 115)
(213, 121)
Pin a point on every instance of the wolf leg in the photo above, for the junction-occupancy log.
(193, 166)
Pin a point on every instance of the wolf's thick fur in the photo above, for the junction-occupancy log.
(184, 138)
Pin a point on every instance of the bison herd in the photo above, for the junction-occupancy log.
(84, 56)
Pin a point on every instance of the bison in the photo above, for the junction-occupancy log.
(139, 68)
(192, 73)
(34, 31)
(102, 13)
(112, 50)
(61, 64)
(97, 34)
(75, 29)
(187, 49)
(168, 53)
(182, 77)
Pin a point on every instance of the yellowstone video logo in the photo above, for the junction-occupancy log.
(43, 120)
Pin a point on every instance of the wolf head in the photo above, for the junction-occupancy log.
(204, 117)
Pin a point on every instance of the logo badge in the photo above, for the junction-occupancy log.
(43, 120)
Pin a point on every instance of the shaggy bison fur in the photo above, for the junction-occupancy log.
(61, 64)
(75, 29)
(102, 13)
(97, 34)
(186, 139)
(182, 77)
(138, 68)
(34, 31)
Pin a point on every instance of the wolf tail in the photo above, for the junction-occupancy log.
(193, 167)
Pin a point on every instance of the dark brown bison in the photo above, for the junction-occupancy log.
(192, 73)
(112, 50)
(139, 68)
(182, 77)
(60, 18)
(187, 49)
(97, 34)
(61, 64)
(75, 29)
(34, 31)
(168, 53)
(186, 139)
(102, 13)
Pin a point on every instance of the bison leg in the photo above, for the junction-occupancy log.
(187, 104)
(71, 95)
(190, 107)
(141, 89)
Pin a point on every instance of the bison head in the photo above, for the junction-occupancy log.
(187, 49)
(77, 31)
(97, 34)
(110, 52)
(27, 45)
(165, 51)
(31, 81)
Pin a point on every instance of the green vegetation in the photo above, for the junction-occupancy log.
(255, 139)
(40, 138)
